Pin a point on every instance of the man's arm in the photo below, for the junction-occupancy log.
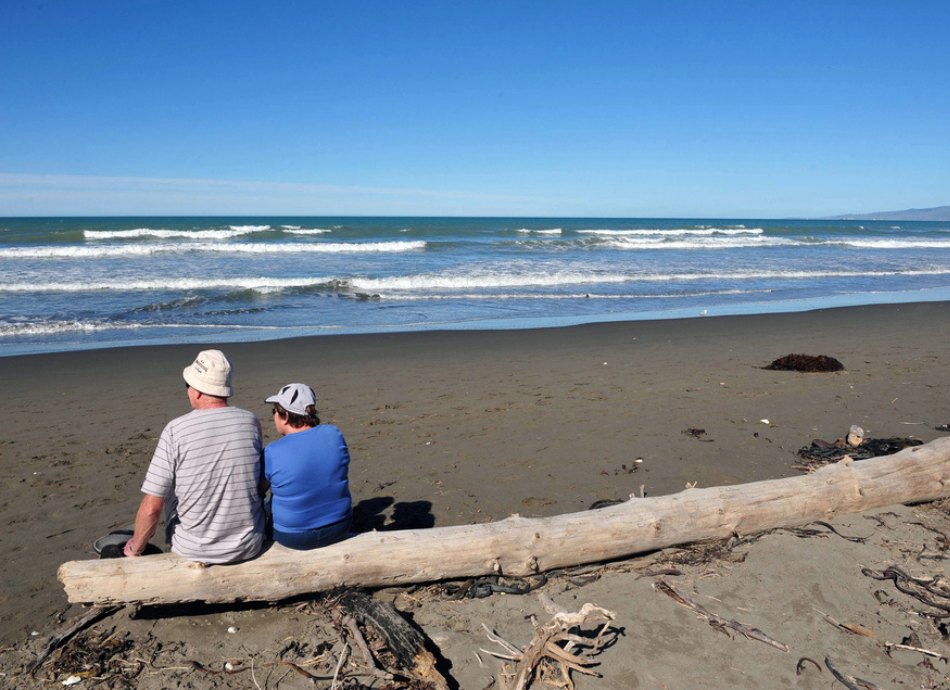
(146, 520)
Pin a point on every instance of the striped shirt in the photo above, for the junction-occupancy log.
(207, 467)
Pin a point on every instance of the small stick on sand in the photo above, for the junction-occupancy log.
(852, 628)
(888, 646)
(717, 621)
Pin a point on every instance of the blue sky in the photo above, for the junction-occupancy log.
(662, 108)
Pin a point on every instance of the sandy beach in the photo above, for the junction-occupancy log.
(450, 428)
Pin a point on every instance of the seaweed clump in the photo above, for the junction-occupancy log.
(806, 363)
(823, 452)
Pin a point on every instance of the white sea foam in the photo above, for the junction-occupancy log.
(48, 328)
(575, 296)
(904, 243)
(423, 283)
(789, 275)
(704, 231)
(327, 248)
(488, 280)
(86, 252)
(162, 233)
(712, 242)
(306, 231)
(260, 284)
(250, 228)
(548, 231)
(8, 329)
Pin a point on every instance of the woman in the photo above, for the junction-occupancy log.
(307, 473)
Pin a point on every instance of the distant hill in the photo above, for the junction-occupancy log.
(936, 213)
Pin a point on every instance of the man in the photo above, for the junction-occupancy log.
(205, 474)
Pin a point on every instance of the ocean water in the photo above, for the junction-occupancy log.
(73, 283)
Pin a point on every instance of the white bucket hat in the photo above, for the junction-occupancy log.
(210, 373)
(295, 398)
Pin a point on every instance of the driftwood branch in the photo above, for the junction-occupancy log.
(523, 546)
(556, 644)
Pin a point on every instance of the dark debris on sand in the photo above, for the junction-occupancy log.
(104, 657)
(824, 452)
(806, 363)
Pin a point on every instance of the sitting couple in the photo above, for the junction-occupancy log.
(208, 478)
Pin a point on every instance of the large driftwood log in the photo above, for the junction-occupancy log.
(522, 546)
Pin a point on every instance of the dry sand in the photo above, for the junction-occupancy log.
(460, 427)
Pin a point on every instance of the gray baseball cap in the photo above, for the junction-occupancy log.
(295, 398)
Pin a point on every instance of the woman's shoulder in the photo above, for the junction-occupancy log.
(325, 432)
(319, 431)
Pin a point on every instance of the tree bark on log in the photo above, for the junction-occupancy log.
(522, 546)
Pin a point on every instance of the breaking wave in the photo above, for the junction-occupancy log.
(425, 282)
(305, 231)
(237, 248)
(161, 233)
(549, 231)
(676, 232)
(52, 328)
(260, 284)
(510, 280)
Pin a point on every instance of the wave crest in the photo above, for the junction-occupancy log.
(238, 248)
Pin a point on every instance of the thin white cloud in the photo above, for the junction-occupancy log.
(54, 194)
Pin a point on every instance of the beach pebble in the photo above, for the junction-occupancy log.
(765, 421)
(72, 680)
(232, 630)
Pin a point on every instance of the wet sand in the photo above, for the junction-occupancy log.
(458, 427)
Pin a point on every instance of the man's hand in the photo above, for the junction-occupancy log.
(146, 520)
